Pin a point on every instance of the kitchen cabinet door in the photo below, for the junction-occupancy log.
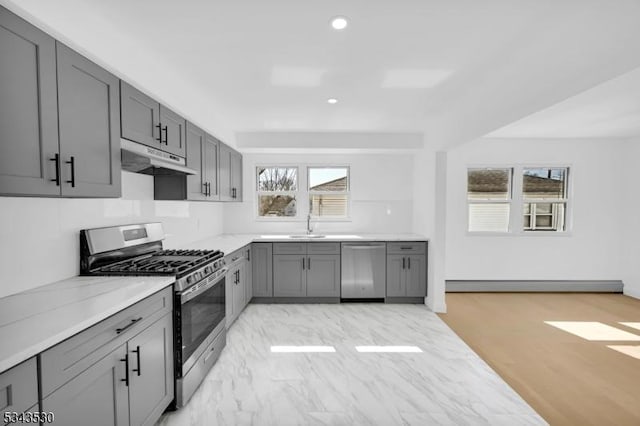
(396, 277)
(89, 125)
(248, 277)
(19, 389)
(289, 275)
(416, 276)
(28, 109)
(173, 132)
(98, 396)
(140, 116)
(226, 193)
(323, 276)
(197, 188)
(229, 290)
(262, 265)
(210, 167)
(236, 176)
(239, 296)
(150, 372)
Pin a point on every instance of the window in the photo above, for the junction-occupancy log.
(489, 198)
(277, 191)
(328, 191)
(536, 202)
(544, 194)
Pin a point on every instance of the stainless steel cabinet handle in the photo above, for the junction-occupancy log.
(406, 248)
(137, 352)
(403, 267)
(165, 129)
(308, 263)
(159, 138)
(303, 263)
(408, 262)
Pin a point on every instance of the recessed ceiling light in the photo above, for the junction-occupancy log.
(332, 101)
(339, 23)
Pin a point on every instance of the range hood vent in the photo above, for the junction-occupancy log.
(139, 158)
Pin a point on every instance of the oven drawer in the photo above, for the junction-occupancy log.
(71, 357)
(410, 247)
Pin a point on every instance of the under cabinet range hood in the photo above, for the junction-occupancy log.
(140, 158)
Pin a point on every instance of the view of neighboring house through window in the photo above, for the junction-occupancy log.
(328, 191)
(489, 199)
(544, 194)
(277, 191)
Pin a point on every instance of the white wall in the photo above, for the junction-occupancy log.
(592, 251)
(631, 224)
(381, 194)
(39, 236)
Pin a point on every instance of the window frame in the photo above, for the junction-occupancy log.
(258, 193)
(346, 193)
(516, 211)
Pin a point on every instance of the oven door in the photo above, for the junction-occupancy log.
(202, 309)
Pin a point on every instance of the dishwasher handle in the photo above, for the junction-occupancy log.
(364, 247)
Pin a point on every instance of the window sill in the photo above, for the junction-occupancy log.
(279, 219)
(544, 234)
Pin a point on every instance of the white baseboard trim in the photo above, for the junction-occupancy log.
(440, 308)
(597, 286)
(631, 292)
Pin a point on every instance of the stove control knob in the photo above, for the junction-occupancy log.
(189, 280)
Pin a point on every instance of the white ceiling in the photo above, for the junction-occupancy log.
(451, 69)
(609, 110)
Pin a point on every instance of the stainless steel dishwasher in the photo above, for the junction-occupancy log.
(364, 269)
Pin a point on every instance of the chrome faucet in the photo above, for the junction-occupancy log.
(309, 228)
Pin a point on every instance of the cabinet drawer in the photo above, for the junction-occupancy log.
(289, 248)
(71, 357)
(412, 247)
(323, 248)
(19, 387)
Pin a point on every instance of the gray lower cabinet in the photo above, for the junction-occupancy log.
(28, 109)
(151, 372)
(262, 269)
(298, 271)
(89, 123)
(406, 269)
(237, 284)
(118, 372)
(59, 118)
(323, 275)
(98, 396)
(19, 389)
(248, 275)
(289, 275)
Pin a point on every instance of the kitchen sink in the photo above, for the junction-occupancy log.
(307, 236)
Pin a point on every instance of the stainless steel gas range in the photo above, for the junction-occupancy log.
(199, 291)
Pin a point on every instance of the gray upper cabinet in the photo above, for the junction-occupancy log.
(89, 124)
(140, 116)
(211, 154)
(59, 118)
(262, 266)
(151, 372)
(147, 122)
(289, 275)
(230, 174)
(236, 176)
(98, 396)
(196, 184)
(28, 109)
(173, 132)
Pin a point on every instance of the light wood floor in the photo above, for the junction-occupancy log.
(568, 380)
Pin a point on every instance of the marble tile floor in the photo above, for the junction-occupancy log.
(445, 384)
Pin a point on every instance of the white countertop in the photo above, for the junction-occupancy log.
(231, 242)
(37, 319)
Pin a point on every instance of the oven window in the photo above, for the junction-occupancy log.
(200, 316)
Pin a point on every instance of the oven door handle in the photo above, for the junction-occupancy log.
(190, 293)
